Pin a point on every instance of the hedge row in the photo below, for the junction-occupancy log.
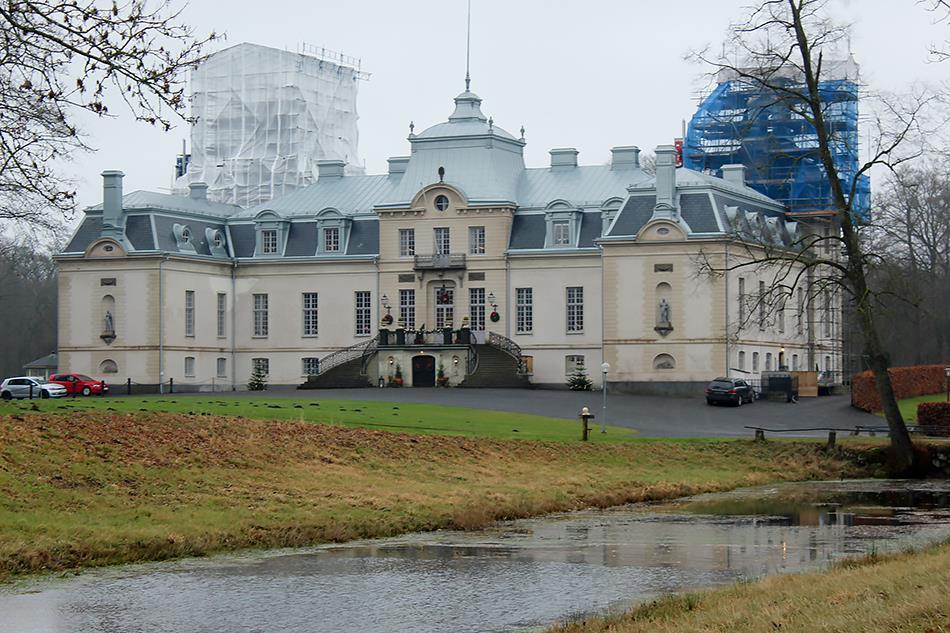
(908, 382)
(934, 417)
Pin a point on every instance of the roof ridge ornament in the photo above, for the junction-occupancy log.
(468, 47)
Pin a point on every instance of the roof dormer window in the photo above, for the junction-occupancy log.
(269, 242)
(331, 239)
(562, 225)
(272, 232)
(183, 238)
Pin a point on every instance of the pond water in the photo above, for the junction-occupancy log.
(519, 575)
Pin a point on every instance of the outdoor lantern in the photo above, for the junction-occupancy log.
(491, 300)
(604, 367)
(385, 302)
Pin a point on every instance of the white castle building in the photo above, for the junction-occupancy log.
(515, 274)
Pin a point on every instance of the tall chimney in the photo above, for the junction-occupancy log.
(563, 157)
(198, 191)
(330, 169)
(734, 174)
(624, 157)
(112, 220)
(665, 182)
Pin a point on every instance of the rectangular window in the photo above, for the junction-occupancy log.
(476, 240)
(826, 300)
(260, 315)
(407, 242)
(269, 242)
(222, 368)
(476, 309)
(561, 233)
(800, 322)
(741, 302)
(407, 308)
(310, 304)
(364, 311)
(189, 366)
(781, 316)
(441, 241)
(761, 305)
(311, 366)
(444, 307)
(261, 365)
(331, 239)
(189, 313)
(795, 366)
(524, 318)
(572, 363)
(575, 309)
(222, 315)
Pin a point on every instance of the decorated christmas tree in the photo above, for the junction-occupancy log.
(578, 381)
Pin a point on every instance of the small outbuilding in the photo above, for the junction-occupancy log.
(42, 367)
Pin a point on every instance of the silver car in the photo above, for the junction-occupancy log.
(24, 386)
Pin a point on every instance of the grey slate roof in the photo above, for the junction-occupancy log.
(243, 239)
(138, 230)
(636, 212)
(586, 185)
(351, 195)
(166, 236)
(153, 201)
(697, 211)
(364, 238)
(87, 232)
(302, 240)
(527, 231)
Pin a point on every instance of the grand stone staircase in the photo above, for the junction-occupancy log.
(345, 369)
(499, 366)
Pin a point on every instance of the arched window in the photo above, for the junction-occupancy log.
(768, 361)
(664, 361)
(108, 366)
(741, 360)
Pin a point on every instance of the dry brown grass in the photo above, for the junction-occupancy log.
(100, 488)
(896, 594)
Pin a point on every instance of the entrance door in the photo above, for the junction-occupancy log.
(444, 307)
(423, 371)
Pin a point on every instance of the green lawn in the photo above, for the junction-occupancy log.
(909, 405)
(387, 416)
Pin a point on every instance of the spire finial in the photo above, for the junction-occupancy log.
(522, 132)
(412, 127)
(468, 47)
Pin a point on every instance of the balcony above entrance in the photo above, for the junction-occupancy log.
(447, 261)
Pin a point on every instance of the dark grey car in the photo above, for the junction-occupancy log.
(732, 390)
(24, 386)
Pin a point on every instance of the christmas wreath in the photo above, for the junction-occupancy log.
(494, 316)
(387, 319)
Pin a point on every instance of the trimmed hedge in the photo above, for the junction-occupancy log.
(908, 382)
(934, 417)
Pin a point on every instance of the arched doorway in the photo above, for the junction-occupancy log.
(423, 371)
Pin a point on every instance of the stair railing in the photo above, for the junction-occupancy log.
(345, 355)
(471, 365)
(368, 353)
(508, 346)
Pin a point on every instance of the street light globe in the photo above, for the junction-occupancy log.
(605, 367)
(946, 371)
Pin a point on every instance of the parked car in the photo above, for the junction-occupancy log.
(80, 383)
(732, 390)
(19, 387)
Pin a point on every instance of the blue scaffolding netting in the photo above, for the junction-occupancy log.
(742, 123)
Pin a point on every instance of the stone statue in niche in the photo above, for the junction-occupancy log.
(663, 324)
(664, 312)
(108, 328)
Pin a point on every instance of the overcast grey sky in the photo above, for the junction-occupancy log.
(587, 74)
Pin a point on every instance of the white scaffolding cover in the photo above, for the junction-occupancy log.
(265, 116)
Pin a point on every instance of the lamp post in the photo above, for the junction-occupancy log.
(946, 372)
(604, 368)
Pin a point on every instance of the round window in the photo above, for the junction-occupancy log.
(441, 203)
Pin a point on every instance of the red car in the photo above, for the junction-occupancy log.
(79, 383)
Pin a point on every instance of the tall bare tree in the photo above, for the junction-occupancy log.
(62, 56)
(787, 48)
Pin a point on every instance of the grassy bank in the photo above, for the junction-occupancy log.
(387, 416)
(905, 592)
(102, 488)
